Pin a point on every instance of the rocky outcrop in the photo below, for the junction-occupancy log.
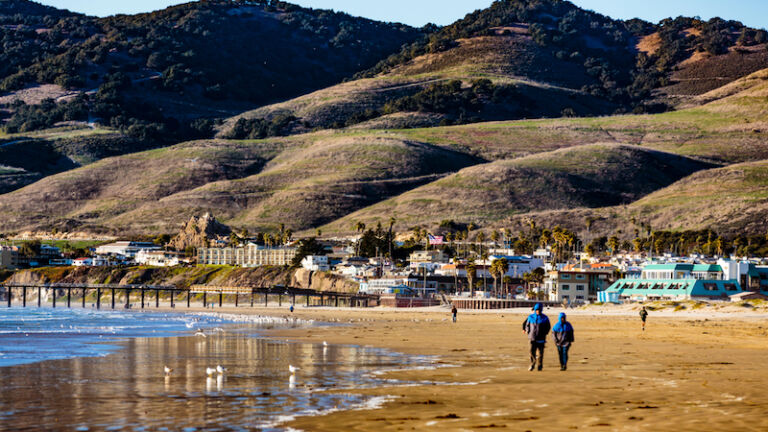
(322, 281)
(198, 232)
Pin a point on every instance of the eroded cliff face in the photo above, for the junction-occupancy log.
(198, 231)
(184, 277)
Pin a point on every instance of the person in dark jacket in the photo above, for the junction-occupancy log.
(454, 311)
(537, 326)
(563, 335)
(643, 316)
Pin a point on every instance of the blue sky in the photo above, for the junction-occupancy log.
(419, 12)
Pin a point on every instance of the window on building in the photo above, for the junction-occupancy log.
(565, 276)
(580, 277)
(565, 287)
(579, 287)
(579, 297)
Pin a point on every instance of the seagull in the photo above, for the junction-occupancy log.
(167, 370)
(220, 370)
(200, 333)
(293, 369)
(210, 371)
(325, 344)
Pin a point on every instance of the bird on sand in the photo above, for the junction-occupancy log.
(220, 370)
(167, 370)
(293, 369)
(210, 371)
(200, 333)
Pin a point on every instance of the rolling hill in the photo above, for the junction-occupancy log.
(526, 110)
(257, 184)
(596, 175)
(156, 73)
(541, 59)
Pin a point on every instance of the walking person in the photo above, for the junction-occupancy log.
(454, 311)
(537, 326)
(563, 335)
(643, 316)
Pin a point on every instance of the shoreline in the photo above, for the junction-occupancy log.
(618, 374)
(484, 354)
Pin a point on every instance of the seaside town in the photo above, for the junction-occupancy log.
(333, 215)
(461, 268)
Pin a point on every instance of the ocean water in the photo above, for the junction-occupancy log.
(29, 335)
(103, 370)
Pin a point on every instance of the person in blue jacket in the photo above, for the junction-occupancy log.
(562, 332)
(537, 326)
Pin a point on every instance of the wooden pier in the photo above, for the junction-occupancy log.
(145, 295)
(490, 303)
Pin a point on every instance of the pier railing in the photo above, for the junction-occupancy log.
(197, 293)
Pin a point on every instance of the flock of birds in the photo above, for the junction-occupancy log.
(220, 371)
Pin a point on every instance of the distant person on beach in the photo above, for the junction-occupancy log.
(643, 316)
(291, 308)
(563, 334)
(454, 311)
(537, 326)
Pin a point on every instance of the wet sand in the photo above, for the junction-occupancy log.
(685, 372)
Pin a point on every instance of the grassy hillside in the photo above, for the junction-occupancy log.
(315, 182)
(301, 182)
(88, 196)
(596, 175)
(734, 198)
(543, 59)
(29, 157)
(526, 80)
(313, 179)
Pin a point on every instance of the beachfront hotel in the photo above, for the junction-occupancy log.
(680, 281)
(251, 255)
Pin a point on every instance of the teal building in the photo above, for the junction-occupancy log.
(673, 282)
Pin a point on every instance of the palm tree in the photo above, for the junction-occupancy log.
(499, 268)
(471, 274)
(484, 257)
(495, 236)
(390, 237)
(506, 281)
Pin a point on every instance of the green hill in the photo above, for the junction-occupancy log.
(154, 74)
(541, 59)
(597, 175)
(303, 182)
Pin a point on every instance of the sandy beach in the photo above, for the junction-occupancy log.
(697, 370)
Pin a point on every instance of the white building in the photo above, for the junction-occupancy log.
(315, 263)
(90, 262)
(518, 265)
(252, 255)
(127, 249)
(428, 259)
(157, 258)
